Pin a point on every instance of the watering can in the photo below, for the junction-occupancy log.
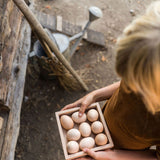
(63, 42)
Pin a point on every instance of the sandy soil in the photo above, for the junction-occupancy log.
(39, 138)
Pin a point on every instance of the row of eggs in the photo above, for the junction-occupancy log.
(67, 121)
(74, 134)
(88, 142)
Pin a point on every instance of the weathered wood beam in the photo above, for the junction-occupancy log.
(10, 22)
(16, 92)
(15, 37)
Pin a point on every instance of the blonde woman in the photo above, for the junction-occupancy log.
(133, 108)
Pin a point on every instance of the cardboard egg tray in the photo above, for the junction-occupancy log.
(63, 132)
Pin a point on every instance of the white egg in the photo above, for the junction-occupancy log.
(67, 122)
(78, 119)
(97, 127)
(87, 143)
(85, 129)
(101, 139)
(92, 115)
(73, 134)
(72, 147)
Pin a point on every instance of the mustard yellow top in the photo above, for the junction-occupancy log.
(131, 125)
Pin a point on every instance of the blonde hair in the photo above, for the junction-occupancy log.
(138, 57)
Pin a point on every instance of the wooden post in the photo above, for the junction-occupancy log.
(36, 26)
(15, 35)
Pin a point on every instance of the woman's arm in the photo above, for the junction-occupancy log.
(106, 92)
(94, 96)
(120, 155)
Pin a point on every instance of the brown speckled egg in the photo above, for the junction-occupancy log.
(67, 122)
(101, 139)
(78, 119)
(85, 129)
(87, 143)
(72, 147)
(73, 134)
(97, 127)
(92, 115)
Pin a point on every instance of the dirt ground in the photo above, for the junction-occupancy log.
(39, 137)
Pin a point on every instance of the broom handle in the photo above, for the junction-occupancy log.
(36, 26)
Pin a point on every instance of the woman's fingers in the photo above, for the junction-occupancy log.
(83, 103)
(82, 108)
(72, 105)
(68, 107)
(90, 152)
(84, 158)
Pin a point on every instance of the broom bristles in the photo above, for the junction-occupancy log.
(67, 81)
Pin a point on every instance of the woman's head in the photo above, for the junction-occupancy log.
(138, 56)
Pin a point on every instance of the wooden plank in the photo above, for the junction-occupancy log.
(1, 63)
(14, 49)
(3, 124)
(47, 21)
(59, 24)
(15, 44)
(10, 26)
(51, 22)
(95, 37)
(43, 18)
(70, 29)
(15, 95)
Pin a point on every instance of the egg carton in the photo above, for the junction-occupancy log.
(63, 131)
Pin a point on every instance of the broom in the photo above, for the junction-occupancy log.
(67, 76)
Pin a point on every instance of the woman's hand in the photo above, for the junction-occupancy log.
(83, 103)
(95, 96)
(119, 155)
(84, 158)
(101, 155)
